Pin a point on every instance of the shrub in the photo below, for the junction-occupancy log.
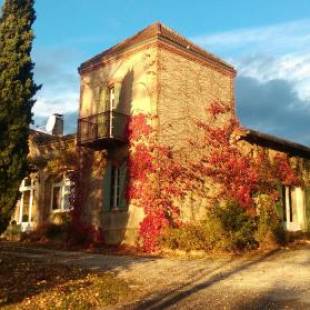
(227, 228)
(238, 226)
(270, 230)
(190, 236)
(45, 231)
(13, 232)
(81, 234)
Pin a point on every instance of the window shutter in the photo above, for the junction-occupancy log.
(117, 94)
(103, 97)
(107, 187)
(123, 186)
(280, 206)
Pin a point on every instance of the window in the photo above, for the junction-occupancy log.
(115, 188)
(288, 204)
(61, 195)
(56, 197)
(27, 201)
(26, 205)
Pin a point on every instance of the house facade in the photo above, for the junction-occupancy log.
(45, 191)
(161, 74)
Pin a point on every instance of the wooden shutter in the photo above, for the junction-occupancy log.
(117, 94)
(280, 206)
(107, 187)
(103, 98)
(123, 186)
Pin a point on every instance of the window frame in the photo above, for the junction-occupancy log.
(64, 186)
(115, 191)
(27, 187)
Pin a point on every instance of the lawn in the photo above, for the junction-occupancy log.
(29, 284)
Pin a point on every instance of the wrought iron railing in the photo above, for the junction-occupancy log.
(105, 125)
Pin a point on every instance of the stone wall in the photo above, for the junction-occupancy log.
(186, 90)
(134, 79)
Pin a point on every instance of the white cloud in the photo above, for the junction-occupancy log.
(273, 84)
(291, 67)
(280, 51)
(56, 69)
(65, 102)
(275, 38)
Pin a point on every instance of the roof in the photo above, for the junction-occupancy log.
(162, 33)
(42, 138)
(276, 143)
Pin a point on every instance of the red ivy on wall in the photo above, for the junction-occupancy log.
(157, 179)
(151, 171)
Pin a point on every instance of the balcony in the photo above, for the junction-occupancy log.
(103, 130)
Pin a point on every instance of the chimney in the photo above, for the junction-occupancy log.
(55, 125)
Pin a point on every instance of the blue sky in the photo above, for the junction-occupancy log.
(267, 41)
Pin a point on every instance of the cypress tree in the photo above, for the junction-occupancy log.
(17, 90)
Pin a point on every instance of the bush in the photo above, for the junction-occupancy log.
(13, 232)
(45, 231)
(190, 236)
(238, 226)
(227, 228)
(270, 230)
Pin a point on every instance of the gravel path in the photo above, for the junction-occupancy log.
(279, 279)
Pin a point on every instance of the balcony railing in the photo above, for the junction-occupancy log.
(102, 130)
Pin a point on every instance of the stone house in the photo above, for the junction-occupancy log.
(45, 191)
(159, 73)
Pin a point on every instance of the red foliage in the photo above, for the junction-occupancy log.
(217, 108)
(157, 179)
(240, 175)
(137, 127)
(151, 169)
(284, 171)
(79, 232)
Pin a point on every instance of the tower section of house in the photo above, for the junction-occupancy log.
(158, 73)
(189, 81)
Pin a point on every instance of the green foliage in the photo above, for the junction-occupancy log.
(227, 228)
(17, 90)
(238, 226)
(190, 236)
(269, 230)
(46, 231)
(13, 232)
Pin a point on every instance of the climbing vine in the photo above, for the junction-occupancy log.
(159, 180)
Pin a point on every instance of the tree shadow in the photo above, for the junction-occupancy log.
(162, 301)
(22, 278)
(273, 299)
(25, 273)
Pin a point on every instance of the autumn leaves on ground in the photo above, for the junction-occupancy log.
(29, 284)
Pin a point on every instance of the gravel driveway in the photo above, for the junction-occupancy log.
(279, 279)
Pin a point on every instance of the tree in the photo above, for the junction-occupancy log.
(17, 90)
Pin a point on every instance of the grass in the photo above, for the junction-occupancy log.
(29, 284)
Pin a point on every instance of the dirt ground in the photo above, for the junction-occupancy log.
(278, 279)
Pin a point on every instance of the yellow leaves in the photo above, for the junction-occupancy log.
(31, 284)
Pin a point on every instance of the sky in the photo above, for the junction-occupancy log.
(268, 42)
